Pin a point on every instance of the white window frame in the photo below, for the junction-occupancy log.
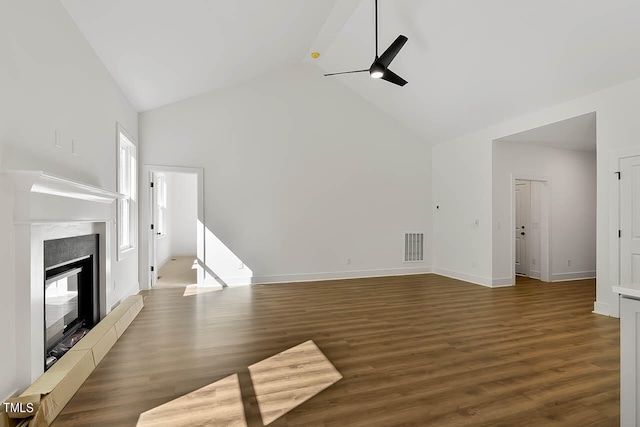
(161, 202)
(127, 184)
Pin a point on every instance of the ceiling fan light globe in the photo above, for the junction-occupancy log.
(376, 71)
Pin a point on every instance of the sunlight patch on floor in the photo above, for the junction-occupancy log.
(197, 290)
(218, 404)
(178, 271)
(290, 378)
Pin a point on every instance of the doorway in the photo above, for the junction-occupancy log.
(163, 239)
(174, 214)
(530, 235)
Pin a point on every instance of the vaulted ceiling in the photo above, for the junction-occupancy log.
(469, 63)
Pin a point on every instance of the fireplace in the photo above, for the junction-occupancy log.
(48, 208)
(71, 292)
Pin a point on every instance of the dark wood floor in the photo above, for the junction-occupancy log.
(413, 350)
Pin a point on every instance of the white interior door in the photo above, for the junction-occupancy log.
(153, 235)
(523, 219)
(630, 220)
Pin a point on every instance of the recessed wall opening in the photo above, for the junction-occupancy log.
(178, 238)
(544, 188)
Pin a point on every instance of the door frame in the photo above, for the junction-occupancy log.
(545, 224)
(145, 232)
(614, 221)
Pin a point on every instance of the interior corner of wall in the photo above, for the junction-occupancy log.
(601, 308)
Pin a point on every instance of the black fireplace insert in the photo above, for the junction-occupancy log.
(72, 299)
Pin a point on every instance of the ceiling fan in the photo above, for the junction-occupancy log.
(380, 67)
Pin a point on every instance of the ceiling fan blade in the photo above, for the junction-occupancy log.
(392, 77)
(346, 72)
(391, 52)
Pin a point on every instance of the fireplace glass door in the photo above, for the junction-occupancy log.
(61, 305)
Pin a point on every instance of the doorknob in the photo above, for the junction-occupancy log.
(522, 234)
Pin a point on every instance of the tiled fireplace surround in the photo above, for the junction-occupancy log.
(49, 207)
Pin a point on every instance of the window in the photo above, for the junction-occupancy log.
(127, 185)
(161, 182)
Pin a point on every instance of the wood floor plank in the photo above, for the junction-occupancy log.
(412, 350)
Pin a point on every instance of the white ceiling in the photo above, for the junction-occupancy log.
(469, 63)
(162, 51)
(577, 133)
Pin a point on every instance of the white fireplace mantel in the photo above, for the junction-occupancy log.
(41, 197)
(48, 207)
(45, 183)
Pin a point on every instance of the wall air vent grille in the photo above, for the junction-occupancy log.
(413, 247)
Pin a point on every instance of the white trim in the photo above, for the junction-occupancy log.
(164, 261)
(576, 275)
(501, 282)
(338, 275)
(601, 308)
(56, 221)
(133, 290)
(614, 219)
(631, 290)
(477, 280)
(45, 183)
(125, 252)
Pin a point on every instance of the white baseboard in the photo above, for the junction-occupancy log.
(502, 282)
(133, 290)
(477, 280)
(601, 308)
(355, 274)
(578, 275)
(535, 274)
(163, 262)
(236, 281)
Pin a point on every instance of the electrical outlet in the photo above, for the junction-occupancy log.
(498, 226)
(473, 264)
(533, 261)
(241, 266)
(73, 147)
(348, 261)
(56, 139)
(568, 263)
(476, 223)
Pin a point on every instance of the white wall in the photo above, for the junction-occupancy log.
(462, 195)
(8, 356)
(183, 211)
(300, 175)
(469, 160)
(51, 79)
(572, 225)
